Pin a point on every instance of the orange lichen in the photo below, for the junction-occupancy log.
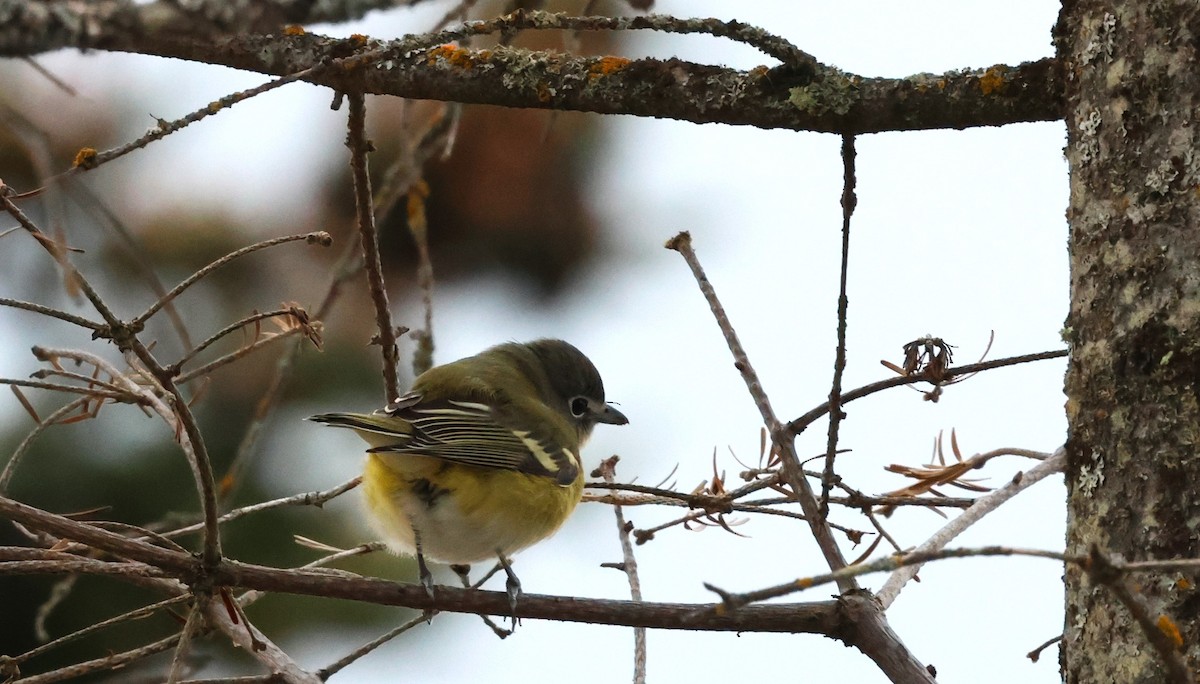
(607, 66)
(1183, 584)
(992, 81)
(453, 55)
(293, 30)
(85, 158)
(804, 583)
(358, 39)
(544, 92)
(1167, 626)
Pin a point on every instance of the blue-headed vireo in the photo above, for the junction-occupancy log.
(480, 459)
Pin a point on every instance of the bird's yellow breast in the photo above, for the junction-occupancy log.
(463, 514)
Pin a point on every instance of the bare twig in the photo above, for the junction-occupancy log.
(10, 468)
(607, 470)
(93, 392)
(318, 238)
(239, 353)
(194, 623)
(336, 666)
(418, 225)
(112, 662)
(90, 159)
(839, 362)
(983, 505)
(52, 313)
(667, 497)
(317, 499)
(731, 601)
(1037, 652)
(793, 473)
(232, 327)
(798, 425)
(58, 593)
(774, 46)
(359, 146)
(83, 195)
(1163, 633)
(138, 614)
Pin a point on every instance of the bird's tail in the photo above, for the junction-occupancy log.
(377, 423)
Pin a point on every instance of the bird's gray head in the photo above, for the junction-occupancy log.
(575, 385)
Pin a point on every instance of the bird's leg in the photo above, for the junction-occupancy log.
(513, 585)
(464, 575)
(422, 568)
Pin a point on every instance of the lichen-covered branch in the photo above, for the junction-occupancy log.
(803, 95)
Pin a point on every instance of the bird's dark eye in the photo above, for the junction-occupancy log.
(579, 407)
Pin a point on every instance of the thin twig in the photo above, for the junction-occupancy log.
(1104, 572)
(317, 499)
(798, 425)
(317, 238)
(190, 626)
(268, 400)
(112, 662)
(792, 470)
(608, 470)
(418, 225)
(96, 392)
(667, 497)
(336, 666)
(1037, 652)
(236, 354)
(983, 505)
(58, 593)
(93, 159)
(232, 327)
(10, 468)
(839, 362)
(90, 380)
(731, 601)
(771, 45)
(250, 597)
(59, 253)
(52, 313)
(88, 199)
(144, 611)
(356, 140)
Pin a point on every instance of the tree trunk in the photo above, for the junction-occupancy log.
(1133, 391)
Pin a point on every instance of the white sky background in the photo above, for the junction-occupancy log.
(957, 233)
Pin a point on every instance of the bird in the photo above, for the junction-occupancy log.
(481, 457)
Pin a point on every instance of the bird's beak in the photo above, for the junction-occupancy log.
(611, 416)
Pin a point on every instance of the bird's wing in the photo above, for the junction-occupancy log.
(471, 433)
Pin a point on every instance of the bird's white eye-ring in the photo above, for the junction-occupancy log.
(579, 407)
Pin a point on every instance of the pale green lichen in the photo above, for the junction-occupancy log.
(1091, 475)
(1088, 125)
(1101, 43)
(833, 92)
(1160, 177)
